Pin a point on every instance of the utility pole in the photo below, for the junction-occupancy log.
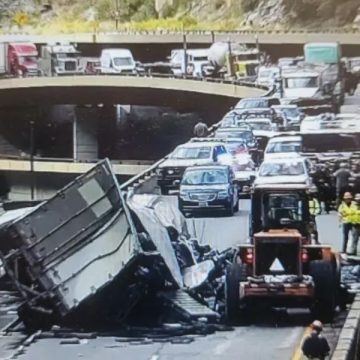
(117, 14)
(230, 62)
(32, 150)
(185, 50)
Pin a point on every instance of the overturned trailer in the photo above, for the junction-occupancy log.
(76, 257)
(86, 258)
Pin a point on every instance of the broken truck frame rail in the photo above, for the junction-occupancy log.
(60, 254)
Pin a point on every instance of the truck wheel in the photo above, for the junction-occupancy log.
(234, 274)
(325, 289)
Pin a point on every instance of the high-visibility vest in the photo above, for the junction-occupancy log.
(356, 216)
(314, 207)
(347, 213)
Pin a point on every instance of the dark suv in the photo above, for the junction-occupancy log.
(209, 187)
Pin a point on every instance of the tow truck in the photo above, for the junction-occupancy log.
(282, 265)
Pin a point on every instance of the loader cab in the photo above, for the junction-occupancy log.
(281, 207)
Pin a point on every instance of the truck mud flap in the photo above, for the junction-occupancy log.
(69, 250)
(187, 307)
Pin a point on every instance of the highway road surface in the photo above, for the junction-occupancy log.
(274, 335)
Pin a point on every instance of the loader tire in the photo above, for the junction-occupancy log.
(234, 274)
(326, 286)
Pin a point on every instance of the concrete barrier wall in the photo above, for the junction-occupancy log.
(348, 346)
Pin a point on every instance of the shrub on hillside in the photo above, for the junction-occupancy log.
(249, 5)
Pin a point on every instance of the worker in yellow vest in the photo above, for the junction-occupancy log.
(314, 210)
(314, 205)
(356, 227)
(347, 211)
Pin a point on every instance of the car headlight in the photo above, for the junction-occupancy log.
(223, 194)
(184, 195)
(170, 171)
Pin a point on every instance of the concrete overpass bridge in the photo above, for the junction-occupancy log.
(180, 94)
(27, 176)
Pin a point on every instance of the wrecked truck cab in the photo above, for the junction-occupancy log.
(280, 266)
(78, 258)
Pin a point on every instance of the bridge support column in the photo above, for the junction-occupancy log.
(85, 134)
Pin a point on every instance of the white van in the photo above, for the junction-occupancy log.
(116, 61)
(267, 75)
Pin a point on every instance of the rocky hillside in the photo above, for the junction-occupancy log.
(85, 15)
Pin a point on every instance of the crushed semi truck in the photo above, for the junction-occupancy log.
(87, 256)
(18, 59)
(282, 265)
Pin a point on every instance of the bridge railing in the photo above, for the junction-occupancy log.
(237, 82)
(244, 31)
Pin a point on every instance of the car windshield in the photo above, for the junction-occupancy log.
(27, 59)
(291, 112)
(205, 177)
(252, 104)
(282, 169)
(304, 82)
(284, 147)
(123, 61)
(66, 55)
(201, 152)
(243, 135)
(236, 147)
(260, 125)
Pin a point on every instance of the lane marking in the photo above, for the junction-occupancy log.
(221, 348)
(291, 338)
(298, 354)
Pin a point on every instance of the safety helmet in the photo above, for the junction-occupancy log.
(317, 325)
(347, 196)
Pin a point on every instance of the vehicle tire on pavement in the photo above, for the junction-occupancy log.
(325, 289)
(229, 210)
(234, 274)
(236, 206)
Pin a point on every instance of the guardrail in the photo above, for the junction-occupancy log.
(244, 31)
(237, 82)
(72, 161)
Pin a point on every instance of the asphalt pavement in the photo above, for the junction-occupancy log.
(279, 331)
(275, 335)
